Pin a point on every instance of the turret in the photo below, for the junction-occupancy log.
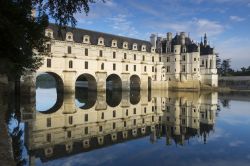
(183, 36)
(205, 39)
(153, 39)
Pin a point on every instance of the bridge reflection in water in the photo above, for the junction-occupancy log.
(89, 120)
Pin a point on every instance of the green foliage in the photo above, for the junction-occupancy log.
(21, 33)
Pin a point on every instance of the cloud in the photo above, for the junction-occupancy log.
(236, 18)
(236, 143)
(196, 26)
(122, 25)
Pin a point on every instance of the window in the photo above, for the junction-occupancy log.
(114, 125)
(153, 69)
(134, 121)
(126, 67)
(143, 58)
(114, 114)
(102, 117)
(114, 66)
(168, 69)
(102, 66)
(86, 65)
(134, 110)
(48, 122)
(100, 53)
(48, 47)
(183, 57)
(125, 56)
(183, 68)
(126, 112)
(100, 128)
(134, 67)
(86, 130)
(48, 137)
(194, 69)
(114, 55)
(153, 108)
(160, 59)
(153, 118)
(69, 49)
(134, 56)
(145, 110)
(70, 119)
(70, 64)
(48, 62)
(69, 134)
(194, 59)
(86, 117)
(167, 59)
(86, 52)
(125, 124)
(143, 120)
(145, 68)
(153, 59)
(202, 62)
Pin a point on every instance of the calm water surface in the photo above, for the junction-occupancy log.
(136, 128)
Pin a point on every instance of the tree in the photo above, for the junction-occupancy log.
(226, 67)
(22, 33)
(218, 63)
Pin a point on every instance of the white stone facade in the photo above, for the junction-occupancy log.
(97, 55)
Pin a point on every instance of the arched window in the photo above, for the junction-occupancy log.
(70, 64)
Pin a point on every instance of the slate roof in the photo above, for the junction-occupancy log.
(79, 33)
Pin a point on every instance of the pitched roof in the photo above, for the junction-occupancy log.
(79, 33)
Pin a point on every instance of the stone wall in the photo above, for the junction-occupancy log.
(235, 82)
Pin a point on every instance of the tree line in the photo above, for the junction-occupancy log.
(224, 68)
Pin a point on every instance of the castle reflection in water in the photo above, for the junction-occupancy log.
(105, 119)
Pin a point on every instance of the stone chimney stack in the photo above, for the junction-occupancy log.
(153, 39)
(183, 36)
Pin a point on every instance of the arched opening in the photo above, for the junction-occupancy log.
(135, 82)
(49, 92)
(85, 91)
(113, 90)
(149, 83)
(135, 97)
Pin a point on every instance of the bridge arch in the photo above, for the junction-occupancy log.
(85, 91)
(48, 80)
(134, 97)
(113, 90)
(113, 82)
(135, 82)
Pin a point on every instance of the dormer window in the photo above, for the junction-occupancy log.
(86, 39)
(134, 46)
(49, 33)
(143, 48)
(100, 41)
(152, 49)
(69, 36)
(125, 45)
(114, 43)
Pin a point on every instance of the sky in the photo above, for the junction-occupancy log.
(226, 22)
